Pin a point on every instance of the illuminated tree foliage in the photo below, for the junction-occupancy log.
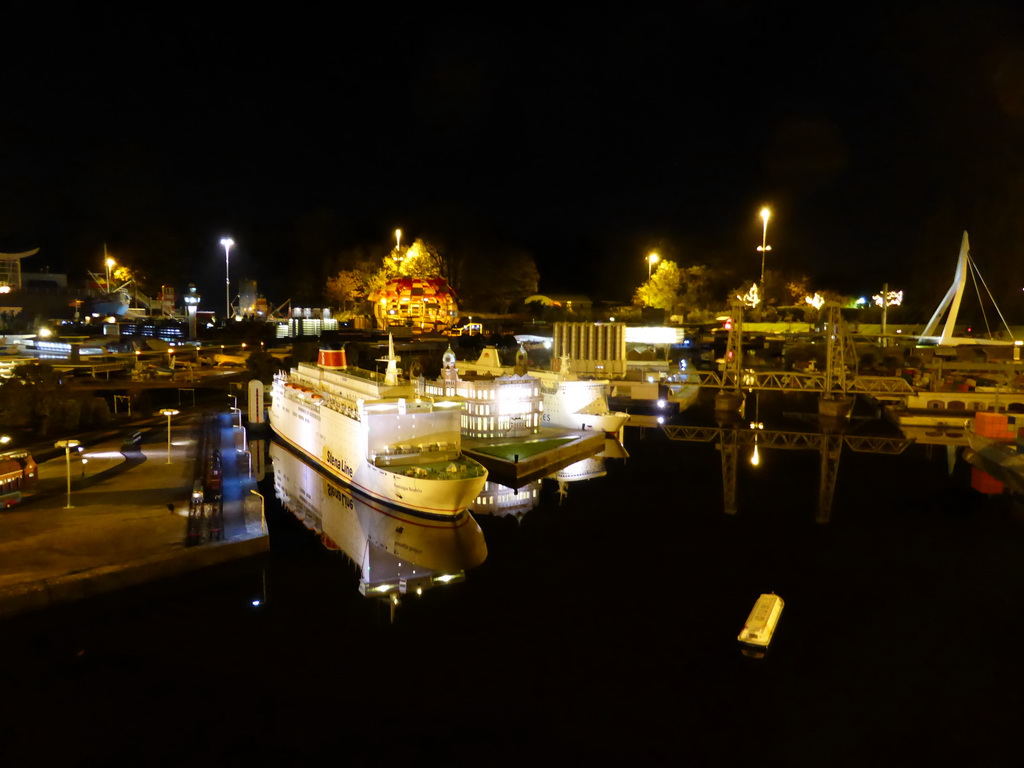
(417, 260)
(662, 290)
(677, 289)
(344, 288)
(365, 273)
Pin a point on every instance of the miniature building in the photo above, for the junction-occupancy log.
(502, 406)
(596, 349)
(418, 302)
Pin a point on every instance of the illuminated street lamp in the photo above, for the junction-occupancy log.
(398, 244)
(67, 445)
(227, 242)
(764, 247)
(109, 263)
(168, 412)
(652, 259)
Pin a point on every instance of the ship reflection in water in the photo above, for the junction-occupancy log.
(398, 551)
(501, 501)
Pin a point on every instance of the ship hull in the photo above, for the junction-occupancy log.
(338, 444)
(566, 404)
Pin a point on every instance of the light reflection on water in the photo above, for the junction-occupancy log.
(603, 621)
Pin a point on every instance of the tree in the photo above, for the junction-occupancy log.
(798, 288)
(72, 415)
(662, 289)
(344, 288)
(515, 280)
(696, 281)
(99, 412)
(262, 366)
(15, 403)
(420, 259)
(503, 276)
(417, 260)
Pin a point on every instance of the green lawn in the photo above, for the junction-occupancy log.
(524, 450)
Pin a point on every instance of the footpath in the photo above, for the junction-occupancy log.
(128, 515)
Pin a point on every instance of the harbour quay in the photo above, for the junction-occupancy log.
(121, 518)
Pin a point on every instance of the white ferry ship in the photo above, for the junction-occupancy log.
(374, 433)
(569, 402)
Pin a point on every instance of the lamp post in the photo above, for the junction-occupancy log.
(67, 445)
(109, 263)
(763, 248)
(652, 259)
(168, 412)
(227, 242)
(885, 300)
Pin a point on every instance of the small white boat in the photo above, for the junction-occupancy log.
(760, 625)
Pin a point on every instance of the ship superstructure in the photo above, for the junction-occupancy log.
(569, 401)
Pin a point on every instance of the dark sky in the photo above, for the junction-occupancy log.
(587, 137)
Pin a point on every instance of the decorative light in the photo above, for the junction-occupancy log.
(890, 299)
(752, 297)
(817, 300)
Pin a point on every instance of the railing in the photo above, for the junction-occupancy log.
(796, 381)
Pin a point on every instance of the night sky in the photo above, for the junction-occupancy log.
(586, 137)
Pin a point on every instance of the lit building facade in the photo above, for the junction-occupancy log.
(502, 406)
(417, 302)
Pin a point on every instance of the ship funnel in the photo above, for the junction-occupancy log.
(332, 358)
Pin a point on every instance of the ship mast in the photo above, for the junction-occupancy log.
(391, 374)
